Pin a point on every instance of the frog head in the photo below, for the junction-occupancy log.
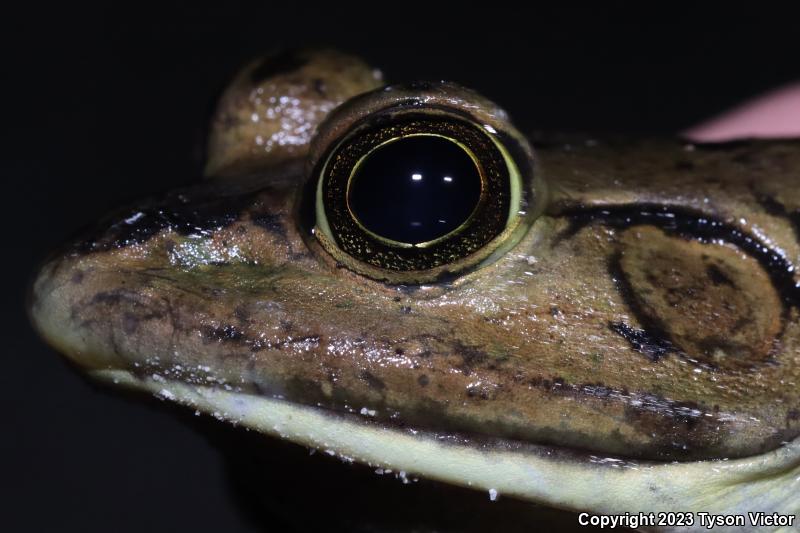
(397, 275)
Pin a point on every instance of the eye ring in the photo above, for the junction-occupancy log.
(488, 219)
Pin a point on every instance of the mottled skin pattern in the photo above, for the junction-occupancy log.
(650, 311)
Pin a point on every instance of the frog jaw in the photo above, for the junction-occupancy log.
(543, 474)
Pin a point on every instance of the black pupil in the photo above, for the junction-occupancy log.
(415, 189)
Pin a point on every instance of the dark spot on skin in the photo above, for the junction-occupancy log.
(233, 335)
(299, 387)
(260, 390)
(226, 333)
(446, 279)
(132, 301)
(280, 63)
(718, 277)
(423, 380)
(480, 392)
(777, 209)
(130, 323)
(397, 299)
(793, 415)
(135, 308)
(554, 311)
(115, 297)
(470, 356)
(242, 314)
(273, 223)
(640, 340)
(77, 277)
(743, 322)
(319, 86)
(372, 380)
(769, 204)
(405, 310)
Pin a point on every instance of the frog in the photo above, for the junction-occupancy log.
(396, 275)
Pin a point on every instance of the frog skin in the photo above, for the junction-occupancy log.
(632, 345)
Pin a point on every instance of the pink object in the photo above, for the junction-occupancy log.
(774, 114)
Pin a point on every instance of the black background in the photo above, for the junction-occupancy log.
(102, 107)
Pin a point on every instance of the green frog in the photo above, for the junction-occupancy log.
(397, 276)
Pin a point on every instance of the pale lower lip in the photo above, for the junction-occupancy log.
(765, 482)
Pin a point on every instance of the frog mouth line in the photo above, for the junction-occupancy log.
(559, 478)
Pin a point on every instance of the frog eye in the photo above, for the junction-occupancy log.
(412, 191)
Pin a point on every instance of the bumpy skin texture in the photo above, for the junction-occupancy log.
(270, 111)
(650, 311)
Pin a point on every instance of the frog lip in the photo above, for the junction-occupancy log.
(544, 474)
